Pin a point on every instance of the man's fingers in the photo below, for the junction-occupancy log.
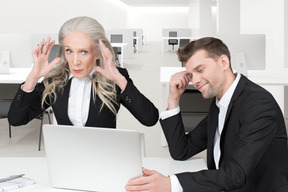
(148, 172)
(138, 184)
(180, 79)
(137, 181)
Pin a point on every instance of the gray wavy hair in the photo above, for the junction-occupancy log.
(55, 81)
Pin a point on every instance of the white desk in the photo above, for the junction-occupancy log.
(16, 76)
(120, 45)
(137, 44)
(36, 168)
(178, 38)
(143, 39)
(271, 78)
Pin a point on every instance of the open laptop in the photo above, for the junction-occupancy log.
(92, 159)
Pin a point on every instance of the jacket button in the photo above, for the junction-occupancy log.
(19, 97)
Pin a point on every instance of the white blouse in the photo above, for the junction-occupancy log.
(79, 100)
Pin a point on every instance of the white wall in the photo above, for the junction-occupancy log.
(33, 16)
(267, 17)
(229, 17)
(153, 19)
(36, 16)
(286, 33)
(42, 16)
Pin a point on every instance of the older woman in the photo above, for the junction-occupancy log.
(82, 84)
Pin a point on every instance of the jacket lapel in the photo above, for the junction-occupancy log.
(239, 88)
(211, 126)
(61, 104)
(236, 94)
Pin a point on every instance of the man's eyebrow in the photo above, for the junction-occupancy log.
(199, 66)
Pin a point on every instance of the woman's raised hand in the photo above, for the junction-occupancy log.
(40, 55)
(110, 71)
(41, 66)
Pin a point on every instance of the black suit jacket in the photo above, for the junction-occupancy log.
(253, 145)
(27, 106)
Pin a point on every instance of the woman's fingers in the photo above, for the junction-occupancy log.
(43, 48)
(102, 49)
(50, 47)
(54, 62)
(106, 53)
(37, 50)
(46, 46)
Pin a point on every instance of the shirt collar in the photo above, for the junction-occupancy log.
(225, 100)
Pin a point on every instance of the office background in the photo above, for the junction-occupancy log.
(237, 16)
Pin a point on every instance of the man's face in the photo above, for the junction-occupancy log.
(207, 74)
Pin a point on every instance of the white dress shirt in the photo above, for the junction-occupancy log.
(79, 100)
(175, 184)
(223, 103)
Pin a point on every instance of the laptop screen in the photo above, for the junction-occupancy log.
(89, 158)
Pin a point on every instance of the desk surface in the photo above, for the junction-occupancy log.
(36, 168)
(118, 44)
(191, 38)
(16, 76)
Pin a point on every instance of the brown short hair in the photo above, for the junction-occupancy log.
(214, 47)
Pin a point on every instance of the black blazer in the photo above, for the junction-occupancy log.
(27, 106)
(253, 144)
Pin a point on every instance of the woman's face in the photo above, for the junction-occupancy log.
(80, 54)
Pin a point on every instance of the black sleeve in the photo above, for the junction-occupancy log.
(140, 107)
(26, 106)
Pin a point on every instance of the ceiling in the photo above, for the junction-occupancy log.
(156, 3)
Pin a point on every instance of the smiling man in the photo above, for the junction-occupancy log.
(244, 132)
